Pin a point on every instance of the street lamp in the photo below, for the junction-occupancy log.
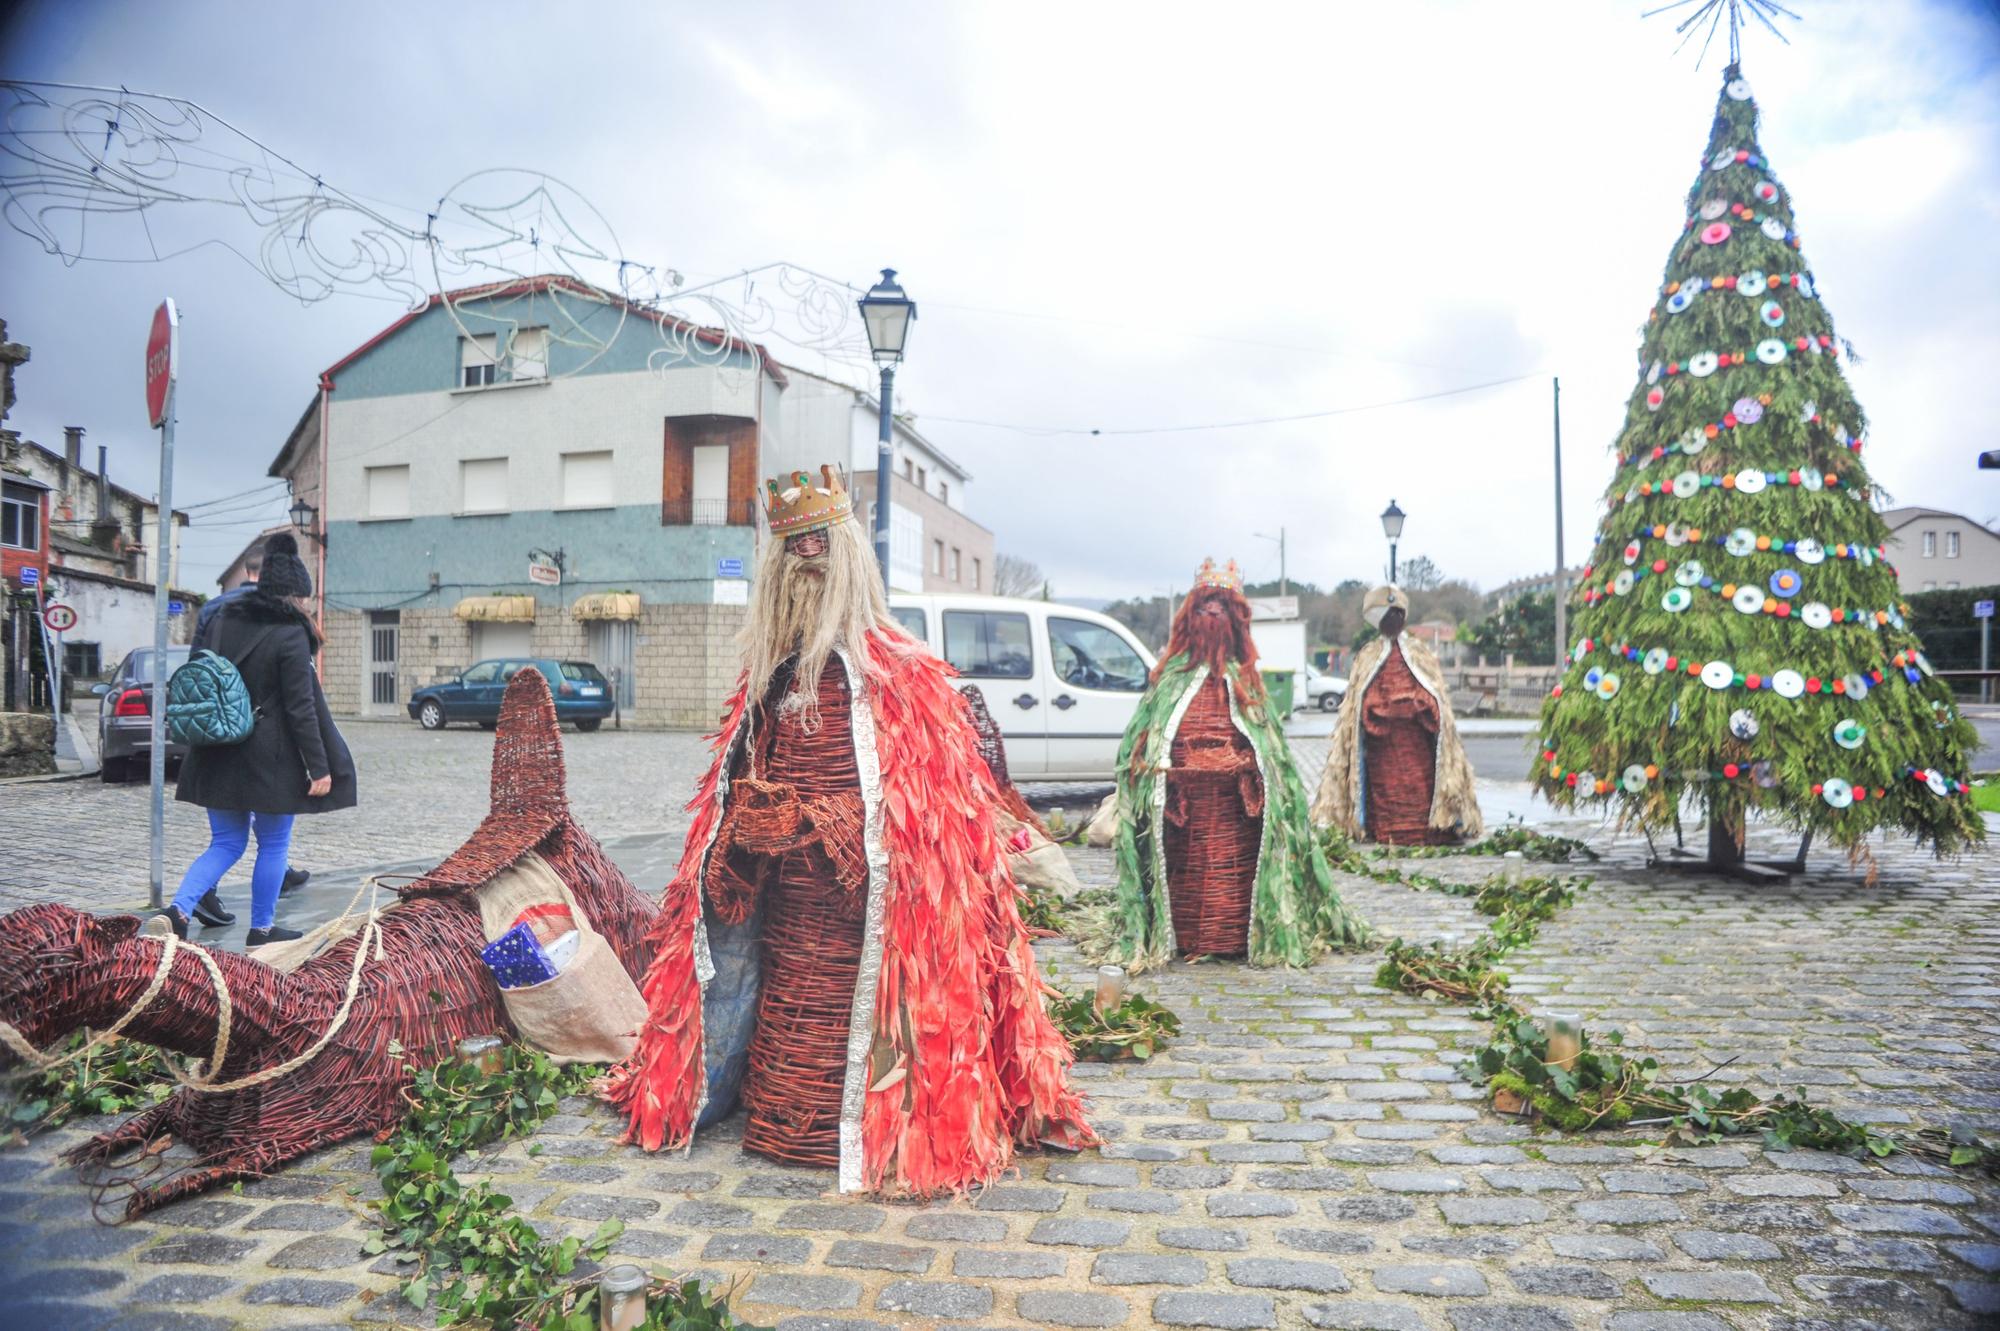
(886, 313)
(1392, 527)
(302, 515)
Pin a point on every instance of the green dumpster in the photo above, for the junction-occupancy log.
(1278, 683)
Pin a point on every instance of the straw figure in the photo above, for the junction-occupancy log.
(298, 1060)
(1215, 853)
(841, 946)
(1396, 772)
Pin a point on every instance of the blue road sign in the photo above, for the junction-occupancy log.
(728, 568)
(177, 607)
(1982, 609)
(31, 577)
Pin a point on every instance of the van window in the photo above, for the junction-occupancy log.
(911, 618)
(984, 644)
(1091, 656)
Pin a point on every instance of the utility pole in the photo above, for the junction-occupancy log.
(1284, 584)
(1562, 593)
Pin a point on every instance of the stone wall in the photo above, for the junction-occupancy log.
(27, 744)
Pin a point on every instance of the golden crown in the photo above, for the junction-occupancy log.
(1228, 577)
(812, 508)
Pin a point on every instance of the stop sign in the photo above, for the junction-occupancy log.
(162, 360)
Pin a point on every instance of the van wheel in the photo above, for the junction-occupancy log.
(430, 716)
(589, 724)
(1329, 702)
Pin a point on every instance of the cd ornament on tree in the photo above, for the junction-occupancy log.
(1792, 602)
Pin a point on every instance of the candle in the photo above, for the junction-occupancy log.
(1564, 1041)
(1513, 866)
(621, 1298)
(1110, 987)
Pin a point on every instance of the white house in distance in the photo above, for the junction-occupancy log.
(544, 422)
(1938, 551)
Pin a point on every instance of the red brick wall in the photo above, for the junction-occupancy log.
(12, 561)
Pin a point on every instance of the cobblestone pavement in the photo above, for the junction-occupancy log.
(1308, 1154)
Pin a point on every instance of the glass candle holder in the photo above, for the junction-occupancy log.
(486, 1052)
(621, 1298)
(1513, 866)
(1565, 1032)
(1110, 987)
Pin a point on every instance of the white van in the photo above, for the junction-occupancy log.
(1062, 682)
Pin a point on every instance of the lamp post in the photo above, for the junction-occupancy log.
(1392, 527)
(886, 313)
(302, 516)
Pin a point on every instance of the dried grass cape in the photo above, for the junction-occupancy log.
(1342, 800)
(1295, 911)
(952, 1057)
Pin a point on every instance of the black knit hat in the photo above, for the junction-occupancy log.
(284, 573)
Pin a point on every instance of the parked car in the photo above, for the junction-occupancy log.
(125, 716)
(582, 693)
(1324, 691)
(1063, 682)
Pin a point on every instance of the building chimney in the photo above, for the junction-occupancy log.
(104, 529)
(73, 446)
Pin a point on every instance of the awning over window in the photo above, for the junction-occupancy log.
(497, 609)
(607, 605)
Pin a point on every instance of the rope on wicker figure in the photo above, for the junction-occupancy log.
(14, 1040)
(371, 936)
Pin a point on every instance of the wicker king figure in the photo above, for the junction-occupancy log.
(1216, 854)
(1396, 772)
(840, 948)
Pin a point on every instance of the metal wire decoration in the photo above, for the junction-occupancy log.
(108, 175)
(1764, 11)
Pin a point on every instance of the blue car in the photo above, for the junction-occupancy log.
(582, 693)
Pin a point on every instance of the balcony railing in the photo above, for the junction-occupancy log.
(708, 513)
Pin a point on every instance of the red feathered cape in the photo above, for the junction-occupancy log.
(955, 1058)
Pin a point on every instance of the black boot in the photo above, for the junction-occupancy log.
(168, 921)
(210, 912)
(294, 878)
(274, 934)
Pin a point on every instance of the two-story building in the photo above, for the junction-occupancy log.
(1938, 551)
(536, 468)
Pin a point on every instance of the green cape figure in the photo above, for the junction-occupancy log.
(1216, 849)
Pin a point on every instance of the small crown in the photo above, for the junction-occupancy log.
(814, 508)
(1228, 577)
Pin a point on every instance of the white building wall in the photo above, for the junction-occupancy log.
(531, 425)
(116, 618)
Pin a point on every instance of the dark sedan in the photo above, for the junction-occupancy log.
(125, 716)
(582, 693)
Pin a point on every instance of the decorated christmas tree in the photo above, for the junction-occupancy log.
(1738, 636)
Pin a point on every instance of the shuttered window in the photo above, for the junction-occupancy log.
(482, 485)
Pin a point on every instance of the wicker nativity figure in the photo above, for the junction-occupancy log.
(840, 949)
(1396, 773)
(1216, 854)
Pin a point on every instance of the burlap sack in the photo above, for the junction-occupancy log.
(1042, 866)
(592, 1011)
(1103, 829)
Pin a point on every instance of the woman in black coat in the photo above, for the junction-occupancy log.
(294, 760)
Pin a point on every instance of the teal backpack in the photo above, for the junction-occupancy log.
(208, 704)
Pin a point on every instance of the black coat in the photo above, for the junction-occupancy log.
(271, 644)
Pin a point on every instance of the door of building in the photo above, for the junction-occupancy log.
(612, 644)
(491, 640)
(385, 629)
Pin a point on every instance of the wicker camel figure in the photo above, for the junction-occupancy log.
(63, 969)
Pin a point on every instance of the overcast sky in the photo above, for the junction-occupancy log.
(1111, 216)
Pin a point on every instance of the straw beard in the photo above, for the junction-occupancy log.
(1216, 640)
(808, 606)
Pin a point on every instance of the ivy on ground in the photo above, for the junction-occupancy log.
(474, 1260)
(1134, 1030)
(1602, 1086)
(116, 1077)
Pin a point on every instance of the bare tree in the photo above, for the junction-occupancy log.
(1420, 574)
(1015, 576)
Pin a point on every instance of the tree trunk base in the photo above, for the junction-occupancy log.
(1725, 856)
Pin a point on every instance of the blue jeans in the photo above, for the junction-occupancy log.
(228, 837)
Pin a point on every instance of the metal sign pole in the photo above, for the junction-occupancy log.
(162, 547)
(1985, 658)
